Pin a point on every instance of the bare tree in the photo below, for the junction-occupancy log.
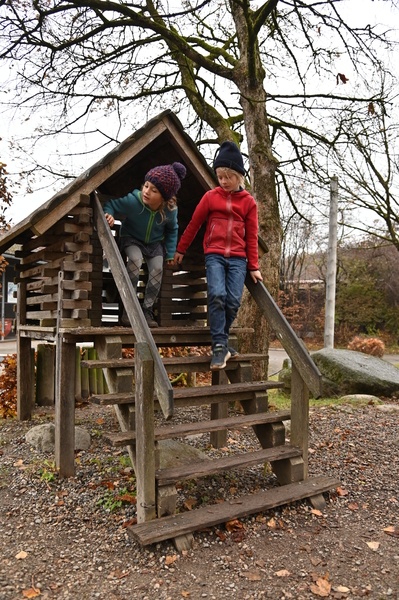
(262, 76)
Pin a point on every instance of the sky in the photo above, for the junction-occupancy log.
(16, 126)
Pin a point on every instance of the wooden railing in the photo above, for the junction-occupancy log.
(131, 303)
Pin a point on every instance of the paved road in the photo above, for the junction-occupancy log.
(276, 355)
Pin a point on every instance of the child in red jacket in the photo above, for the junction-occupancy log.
(230, 246)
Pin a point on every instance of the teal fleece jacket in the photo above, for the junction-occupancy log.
(144, 224)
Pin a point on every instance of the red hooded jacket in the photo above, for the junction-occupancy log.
(232, 225)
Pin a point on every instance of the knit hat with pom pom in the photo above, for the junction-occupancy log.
(167, 179)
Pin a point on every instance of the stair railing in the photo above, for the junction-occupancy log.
(162, 385)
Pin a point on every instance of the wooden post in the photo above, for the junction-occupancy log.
(145, 438)
(92, 355)
(45, 374)
(78, 374)
(25, 395)
(84, 378)
(300, 416)
(218, 439)
(64, 397)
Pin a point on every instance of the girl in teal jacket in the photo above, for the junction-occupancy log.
(149, 229)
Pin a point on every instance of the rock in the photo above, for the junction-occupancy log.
(361, 399)
(173, 453)
(349, 372)
(42, 437)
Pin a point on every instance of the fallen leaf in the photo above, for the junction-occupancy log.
(315, 561)
(233, 525)
(283, 573)
(21, 555)
(185, 594)
(342, 589)
(373, 545)
(31, 593)
(342, 491)
(394, 531)
(321, 588)
(128, 498)
(272, 523)
(170, 559)
(190, 503)
(353, 506)
(316, 512)
(221, 535)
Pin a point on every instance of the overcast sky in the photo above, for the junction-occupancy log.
(15, 127)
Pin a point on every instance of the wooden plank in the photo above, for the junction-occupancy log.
(197, 427)
(203, 468)
(293, 345)
(171, 526)
(145, 441)
(198, 396)
(180, 363)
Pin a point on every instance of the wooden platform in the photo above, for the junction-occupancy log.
(165, 528)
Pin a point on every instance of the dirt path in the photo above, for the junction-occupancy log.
(67, 539)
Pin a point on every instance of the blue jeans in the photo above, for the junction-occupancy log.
(225, 281)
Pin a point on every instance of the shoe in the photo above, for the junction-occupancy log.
(233, 352)
(149, 317)
(220, 355)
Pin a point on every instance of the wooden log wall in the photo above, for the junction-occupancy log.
(66, 247)
(182, 300)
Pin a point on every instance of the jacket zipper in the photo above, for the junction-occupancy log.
(229, 227)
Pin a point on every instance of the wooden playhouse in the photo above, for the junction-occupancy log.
(69, 275)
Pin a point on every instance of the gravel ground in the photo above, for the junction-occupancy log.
(67, 539)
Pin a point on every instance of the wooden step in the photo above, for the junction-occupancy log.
(185, 364)
(197, 396)
(202, 468)
(126, 438)
(165, 528)
(212, 394)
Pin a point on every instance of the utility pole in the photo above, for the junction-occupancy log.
(331, 266)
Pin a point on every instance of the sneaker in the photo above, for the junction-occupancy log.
(220, 355)
(233, 352)
(149, 317)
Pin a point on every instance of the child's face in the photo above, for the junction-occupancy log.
(228, 181)
(151, 195)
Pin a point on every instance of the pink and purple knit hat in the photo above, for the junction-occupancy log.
(167, 179)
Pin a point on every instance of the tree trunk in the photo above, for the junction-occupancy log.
(249, 78)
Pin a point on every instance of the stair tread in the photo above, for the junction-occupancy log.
(202, 468)
(185, 429)
(172, 526)
(230, 388)
(209, 393)
(178, 361)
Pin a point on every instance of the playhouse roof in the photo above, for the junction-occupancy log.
(161, 140)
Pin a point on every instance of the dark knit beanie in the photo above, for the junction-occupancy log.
(229, 156)
(167, 179)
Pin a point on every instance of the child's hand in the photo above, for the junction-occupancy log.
(178, 258)
(110, 219)
(256, 276)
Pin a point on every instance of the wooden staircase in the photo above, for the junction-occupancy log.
(131, 392)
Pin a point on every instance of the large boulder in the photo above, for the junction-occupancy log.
(349, 372)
